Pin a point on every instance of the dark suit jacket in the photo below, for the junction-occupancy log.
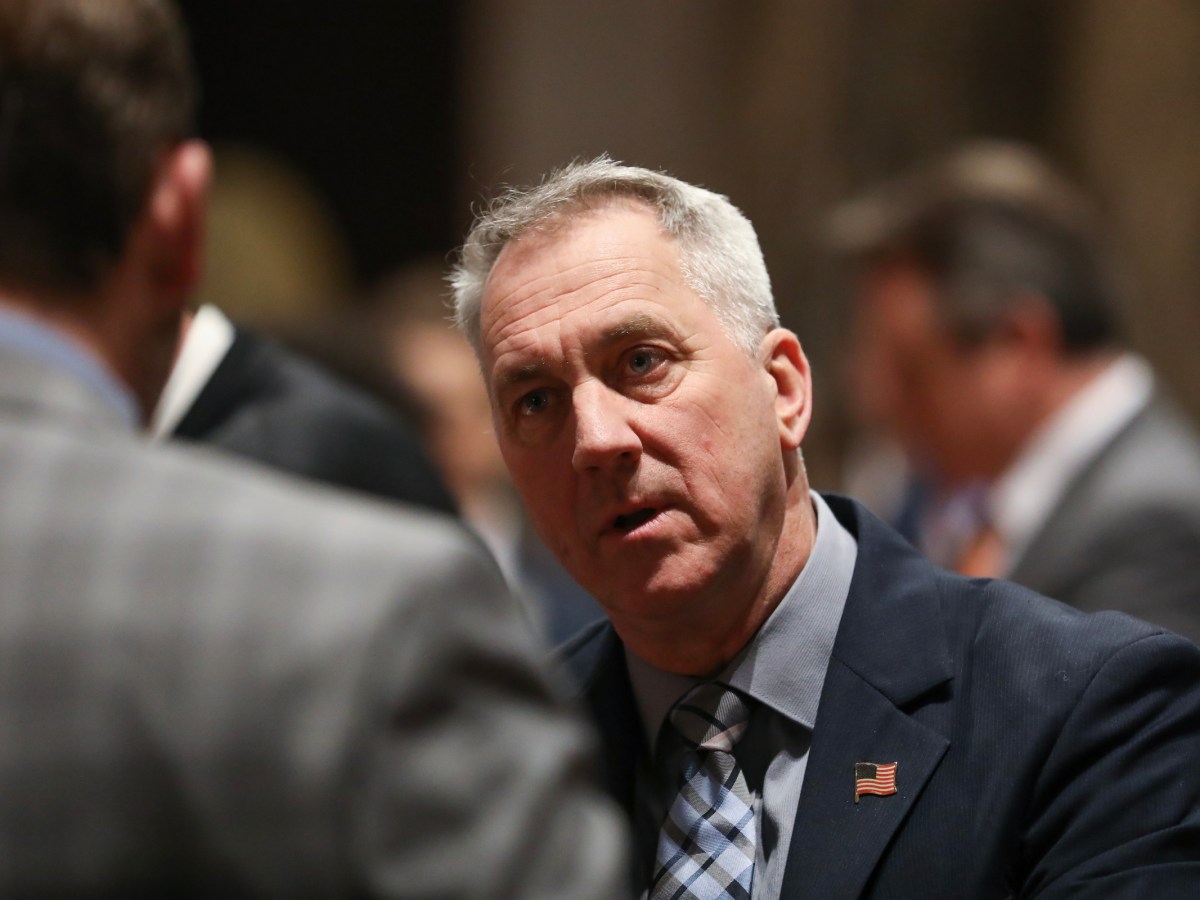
(268, 404)
(1126, 533)
(1041, 751)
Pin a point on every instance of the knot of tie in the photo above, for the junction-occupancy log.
(711, 716)
(708, 839)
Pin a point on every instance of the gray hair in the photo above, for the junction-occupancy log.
(719, 253)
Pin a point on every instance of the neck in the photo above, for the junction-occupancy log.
(67, 317)
(123, 344)
(716, 631)
(1054, 392)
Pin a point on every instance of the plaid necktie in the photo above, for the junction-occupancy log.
(706, 845)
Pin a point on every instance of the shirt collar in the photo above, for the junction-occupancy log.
(1022, 499)
(783, 666)
(26, 335)
(208, 339)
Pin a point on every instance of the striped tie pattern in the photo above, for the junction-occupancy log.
(707, 842)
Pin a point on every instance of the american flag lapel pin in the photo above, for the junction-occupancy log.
(874, 778)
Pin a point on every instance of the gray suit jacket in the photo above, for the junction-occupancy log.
(216, 682)
(1126, 534)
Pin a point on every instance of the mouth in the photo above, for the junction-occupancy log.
(627, 522)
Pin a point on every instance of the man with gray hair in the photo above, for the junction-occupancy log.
(988, 345)
(215, 682)
(793, 702)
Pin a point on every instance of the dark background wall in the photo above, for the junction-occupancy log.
(404, 113)
(358, 96)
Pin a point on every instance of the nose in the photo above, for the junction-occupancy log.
(604, 435)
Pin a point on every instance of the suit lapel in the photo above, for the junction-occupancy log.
(605, 688)
(597, 661)
(837, 843)
(890, 650)
(236, 377)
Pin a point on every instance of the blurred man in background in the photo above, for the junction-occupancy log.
(215, 682)
(247, 394)
(988, 346)
(435, 365)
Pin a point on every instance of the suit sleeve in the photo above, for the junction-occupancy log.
(475, 782)
(1116, 812)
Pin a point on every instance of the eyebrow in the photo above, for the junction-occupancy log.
(638, 326)
(527, 372)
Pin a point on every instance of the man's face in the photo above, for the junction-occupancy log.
(943, 401)
(645, 443)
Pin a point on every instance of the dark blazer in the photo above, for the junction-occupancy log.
(267, 403)
(1041, 751)
(1126, 533)
(219, 682)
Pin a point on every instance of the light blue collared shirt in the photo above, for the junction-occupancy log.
(783, 669)
(23, 334)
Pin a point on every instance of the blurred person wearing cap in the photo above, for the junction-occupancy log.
(215, 681)
(987, 344)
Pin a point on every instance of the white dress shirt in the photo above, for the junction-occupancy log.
(208, 339)
(1023, 498)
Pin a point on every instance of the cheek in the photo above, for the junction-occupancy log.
(546, 492)
(730, 466)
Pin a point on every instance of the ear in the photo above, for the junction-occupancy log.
(788, 370)
(1032, 328)
(175, 217)
(1023, 350)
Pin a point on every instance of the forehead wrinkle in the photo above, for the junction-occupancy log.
(548, 287)
(612, 257)
(543, 295)
(637, 326)
(545, 306)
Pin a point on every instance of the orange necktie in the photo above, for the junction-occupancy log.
(982, 555)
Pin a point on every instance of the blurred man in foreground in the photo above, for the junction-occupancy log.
(793, 702)
(988, 345)
(213, 682)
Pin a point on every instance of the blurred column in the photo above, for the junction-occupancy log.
(546, 82)
(1131, 111)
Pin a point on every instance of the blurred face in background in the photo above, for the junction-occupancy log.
(946, 402)
(437, 364)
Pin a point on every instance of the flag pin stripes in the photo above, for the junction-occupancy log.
(874, 778)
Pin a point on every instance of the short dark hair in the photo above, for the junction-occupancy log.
(989, 223)
(91, 94)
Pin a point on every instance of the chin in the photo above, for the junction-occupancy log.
(667, 591)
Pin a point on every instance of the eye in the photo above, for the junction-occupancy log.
(643, 360)
(533, 403)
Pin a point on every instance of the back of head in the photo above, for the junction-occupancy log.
(992, 223)
(719, 250)
(91, 94)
